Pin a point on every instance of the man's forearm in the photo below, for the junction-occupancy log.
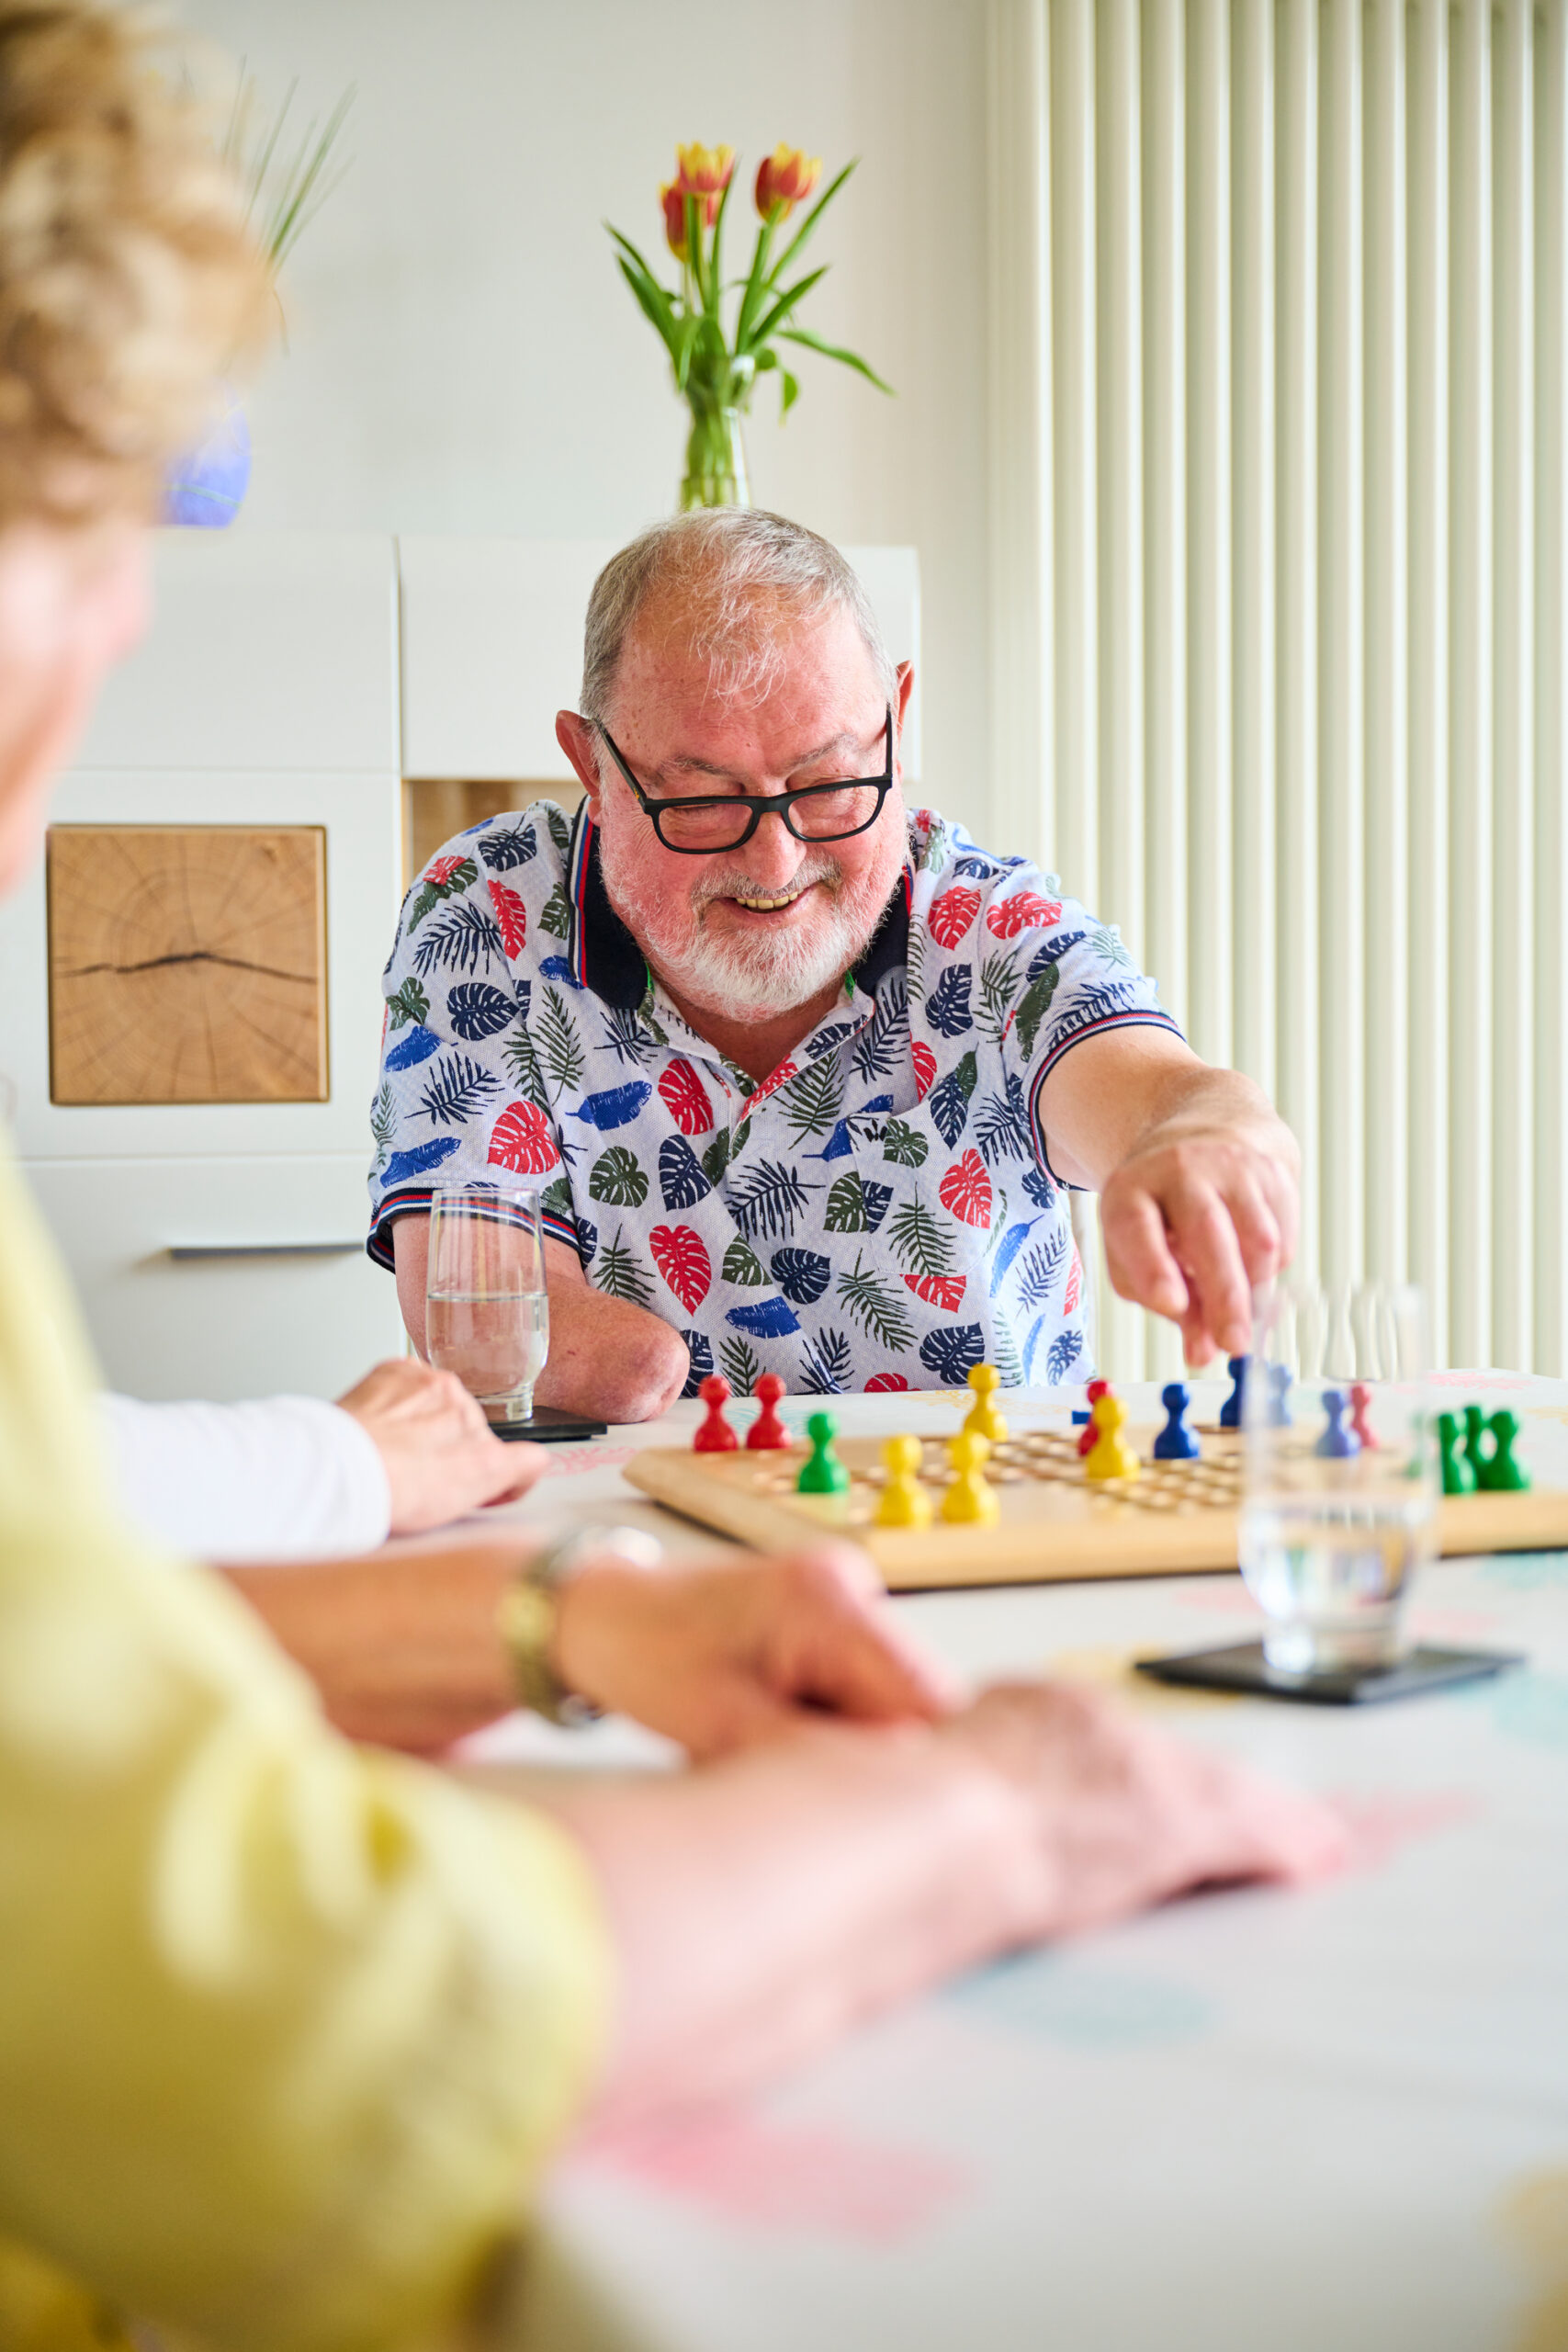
(1112, 1098)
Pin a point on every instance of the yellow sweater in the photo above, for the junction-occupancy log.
(286, 2027)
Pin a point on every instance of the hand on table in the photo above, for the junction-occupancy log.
(440, 1456)
(728, 1653)
(1126, 1817)
(1195, 1217)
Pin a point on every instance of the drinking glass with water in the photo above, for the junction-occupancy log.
(1340, 1505)
(487, 1309)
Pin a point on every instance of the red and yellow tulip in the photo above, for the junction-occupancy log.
(703, 171)
(784, 179)
(674, 204)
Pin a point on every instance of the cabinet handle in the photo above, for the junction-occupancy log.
(184, 1253)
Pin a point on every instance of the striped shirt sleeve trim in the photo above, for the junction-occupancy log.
(414, 1199)
(1134, 1018)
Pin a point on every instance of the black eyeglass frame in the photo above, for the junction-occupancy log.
(758, 805)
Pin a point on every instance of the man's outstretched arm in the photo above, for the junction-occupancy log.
(607, 1357)
(1198, 1175)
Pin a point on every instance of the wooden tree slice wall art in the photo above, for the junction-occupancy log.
(187, 964)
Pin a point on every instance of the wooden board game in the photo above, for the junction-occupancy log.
(1054, 1525)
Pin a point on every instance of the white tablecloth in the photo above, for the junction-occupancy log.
(1292, 2121)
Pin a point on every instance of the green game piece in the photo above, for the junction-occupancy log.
(1474, 1431)
(1458, 1477)
(1500, 1474)
(824, 1474)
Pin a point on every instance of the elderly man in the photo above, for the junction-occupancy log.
(806, 1074)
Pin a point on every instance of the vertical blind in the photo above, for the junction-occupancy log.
(1279, 299)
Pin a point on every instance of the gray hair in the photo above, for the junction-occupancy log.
(732, 572)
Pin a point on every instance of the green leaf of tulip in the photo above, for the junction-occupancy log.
(836, 351)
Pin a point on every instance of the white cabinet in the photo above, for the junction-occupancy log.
(266, 694)
(265, 652)
(493, 647)
(223, 1277)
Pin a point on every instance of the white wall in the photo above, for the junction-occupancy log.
(464, 357)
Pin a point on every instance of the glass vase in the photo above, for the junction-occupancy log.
(716, 458)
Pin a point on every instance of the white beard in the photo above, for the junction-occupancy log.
(746, 978)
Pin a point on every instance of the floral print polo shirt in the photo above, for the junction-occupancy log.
(878, 1214)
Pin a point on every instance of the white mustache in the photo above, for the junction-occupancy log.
(733, 882)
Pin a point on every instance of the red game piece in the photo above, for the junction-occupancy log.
(1360, 1406)
(1089, 1437)
(767, 1433)
(716, 1436)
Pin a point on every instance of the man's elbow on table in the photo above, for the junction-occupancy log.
(608, 1357)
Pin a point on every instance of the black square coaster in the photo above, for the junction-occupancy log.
(548, 1426)
(1243, 1668)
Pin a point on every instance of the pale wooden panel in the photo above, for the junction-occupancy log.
(435, 808)
(187, 964)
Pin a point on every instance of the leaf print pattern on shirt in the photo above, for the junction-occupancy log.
(521, 1140)
(867, 1216)
(681, 1258)
(685, 1098)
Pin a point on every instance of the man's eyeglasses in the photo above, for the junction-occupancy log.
(815, 812)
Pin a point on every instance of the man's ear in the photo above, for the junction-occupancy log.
(901, 706)
(575, 736)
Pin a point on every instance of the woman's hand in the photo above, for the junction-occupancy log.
(440, 1456)
(726, 1653)
(1125, 1816)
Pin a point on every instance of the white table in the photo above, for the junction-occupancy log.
(1330, 2119)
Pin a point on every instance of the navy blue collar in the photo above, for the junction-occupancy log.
(607, 959)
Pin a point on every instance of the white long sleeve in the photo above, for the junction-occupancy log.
(282, 1478)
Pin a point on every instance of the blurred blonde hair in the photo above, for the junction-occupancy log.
(129, 285)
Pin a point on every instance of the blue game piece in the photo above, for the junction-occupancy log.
(1082, 1421)
(1176, 1442)
(1278, 1377)
(1230, 1411)
(1339, 1442)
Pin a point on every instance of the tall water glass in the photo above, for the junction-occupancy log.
(1340, 1505)
(486, 1310)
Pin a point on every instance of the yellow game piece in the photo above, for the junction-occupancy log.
(982, 1418)
(904, 1502)
(969, 1499)
(1110, 1456)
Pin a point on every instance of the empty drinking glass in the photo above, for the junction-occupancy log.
(1341, 1495)
(486, 1310)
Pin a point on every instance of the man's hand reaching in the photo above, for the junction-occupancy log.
(440, 1456)
(1197, 1215)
